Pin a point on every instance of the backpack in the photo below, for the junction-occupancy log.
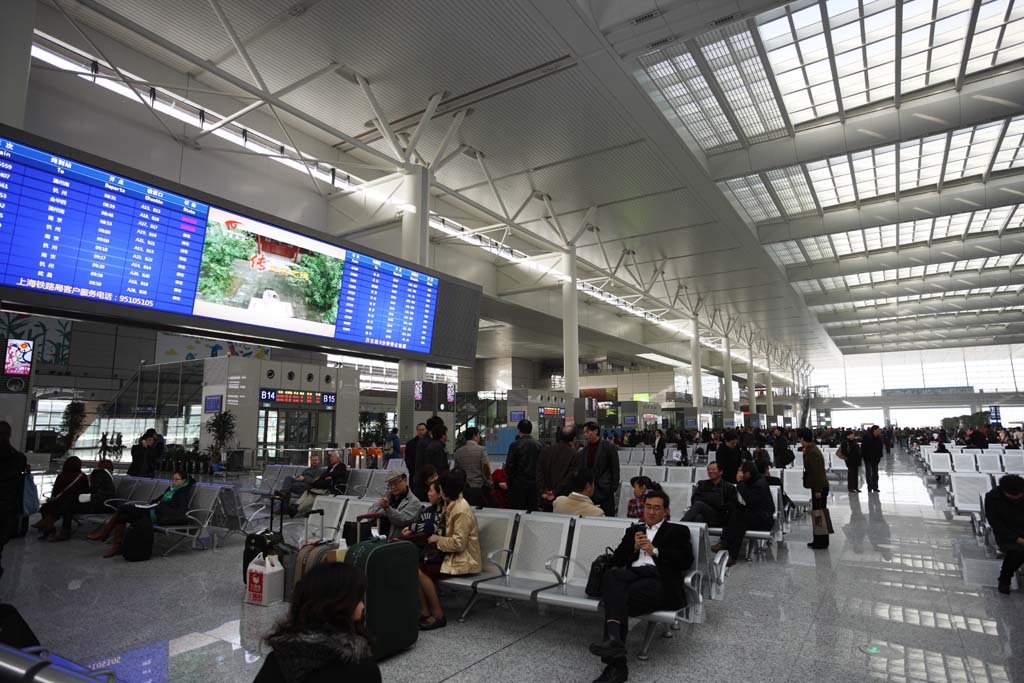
(389, 447)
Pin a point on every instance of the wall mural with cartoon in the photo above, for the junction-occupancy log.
(177, 347)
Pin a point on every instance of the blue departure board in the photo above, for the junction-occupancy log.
(75, 230)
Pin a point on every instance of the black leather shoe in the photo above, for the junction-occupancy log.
(613, 674)
(609, 648)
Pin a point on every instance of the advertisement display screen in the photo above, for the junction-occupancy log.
(18, 360)
(75, 230)
(629, 420)
(516, 415)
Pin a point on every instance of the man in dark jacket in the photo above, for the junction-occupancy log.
(424, 443)
(435, 453)
(871, 451)
(781, 455)
(849, 450)
(412, 446)
(602, 458)
(647, 574)
(558, 463)
(13, 468)
(729, 458)
(1004, 510)
(713, 499)
(521, 468)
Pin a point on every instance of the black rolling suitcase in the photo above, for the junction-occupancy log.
(392, 598)
(263, 541)
(137, 545)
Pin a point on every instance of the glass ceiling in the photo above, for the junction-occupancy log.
(824, 57)
(886, 237)
(840, 324)
(906, 273)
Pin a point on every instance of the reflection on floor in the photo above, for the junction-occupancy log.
(904, 594)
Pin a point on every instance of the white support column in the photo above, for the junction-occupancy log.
(751, 380)
(695, 386)
(570, 326)
(769, 399)
(19, 18)
(415, 243)
(727, 371)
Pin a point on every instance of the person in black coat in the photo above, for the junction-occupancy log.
(871, 451)
(521, 468)
(602, 458)
(13, 468)
(1004, 510)
(755, 512)
(849, 450)
(322, 639)
(648, 572)
(713, 499)
(782, 456)
(171, 509)
(143, 456)
(411, 446)
(435, 453)
(659, 447)
(424, 443)
(728, 457)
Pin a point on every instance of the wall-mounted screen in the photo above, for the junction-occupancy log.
(73, 229)
(516, 415)
(629, 420)
(296, 397)
(213, 403)
(18, 360)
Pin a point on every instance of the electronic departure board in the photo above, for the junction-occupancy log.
(75, 230)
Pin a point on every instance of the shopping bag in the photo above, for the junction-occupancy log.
(30, 499)
(821, 522)
(266, 581)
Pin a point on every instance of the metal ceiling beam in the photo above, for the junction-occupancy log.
(926, 285)
(972, 25)
(897, 345)
(827, 34)
(417, 132)
(983, 245)
(965, 333)
(935, 306)
(755, 34)
(939, 324)
(237, 82)
(1004, 188)
(716, 89)
(881, 125)
(449, 135)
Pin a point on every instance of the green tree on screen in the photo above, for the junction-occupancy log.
(219, 254)
(321, 292)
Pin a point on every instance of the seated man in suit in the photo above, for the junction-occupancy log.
(650, 565)
(713, 499)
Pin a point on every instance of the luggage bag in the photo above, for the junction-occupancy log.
(262, 541)
(392, 594)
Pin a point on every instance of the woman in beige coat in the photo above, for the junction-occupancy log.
(460, 545)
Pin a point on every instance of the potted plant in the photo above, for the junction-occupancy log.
(221, 426)
(72, 425)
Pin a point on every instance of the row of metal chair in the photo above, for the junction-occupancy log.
(985, 463)
(545, 558)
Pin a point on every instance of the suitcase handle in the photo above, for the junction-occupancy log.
(323, 522)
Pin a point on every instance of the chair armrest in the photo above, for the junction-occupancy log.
(490, 559)
(721, 558)
(551, 561)
(694, 582)
(194, 515)
(112, 502)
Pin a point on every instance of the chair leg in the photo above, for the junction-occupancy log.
(472, 601)
(648, 639)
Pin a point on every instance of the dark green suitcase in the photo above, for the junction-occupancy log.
(392, 595)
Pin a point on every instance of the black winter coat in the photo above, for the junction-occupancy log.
(872, 448)
(171, 512)
(758, 498)
(675, 557)
(729, 461)
(1006, 517)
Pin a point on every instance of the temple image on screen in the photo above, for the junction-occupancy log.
(259, 274)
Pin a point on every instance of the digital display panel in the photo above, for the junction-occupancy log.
(213, 404)
(417, 390)
(72, 229)
(18, 360)
(296, 397)
(516, 415)
(629, 420)
(451, 393)
(551, 411)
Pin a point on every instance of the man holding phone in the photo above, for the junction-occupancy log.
(647, 575)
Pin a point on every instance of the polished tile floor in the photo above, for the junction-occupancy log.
(904, 594)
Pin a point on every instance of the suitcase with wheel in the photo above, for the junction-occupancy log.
(263, 541)
(314, 552)
(137, 545)
(392, 595)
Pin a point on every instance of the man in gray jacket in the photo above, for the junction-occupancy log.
(399, 508)
(602, 458)
(471, 458)
(299, 484)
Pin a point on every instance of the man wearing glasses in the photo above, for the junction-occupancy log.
(647, 575)
(399, 508)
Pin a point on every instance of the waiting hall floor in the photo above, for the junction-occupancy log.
(894, 579)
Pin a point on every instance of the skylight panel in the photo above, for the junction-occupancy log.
(674, 72)
(791, 188)
(736, 65)
(971, 149)
(817, 248)
(921, 161)
(989, 220)
(832, 180)
(914, 232)
(786, 253)
(1011, 151)
(997, 36)
(875, 171)
(833, 283)
(751, 194)
(970, 264)
(847, 243)
(933, 41)
(807, 286)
